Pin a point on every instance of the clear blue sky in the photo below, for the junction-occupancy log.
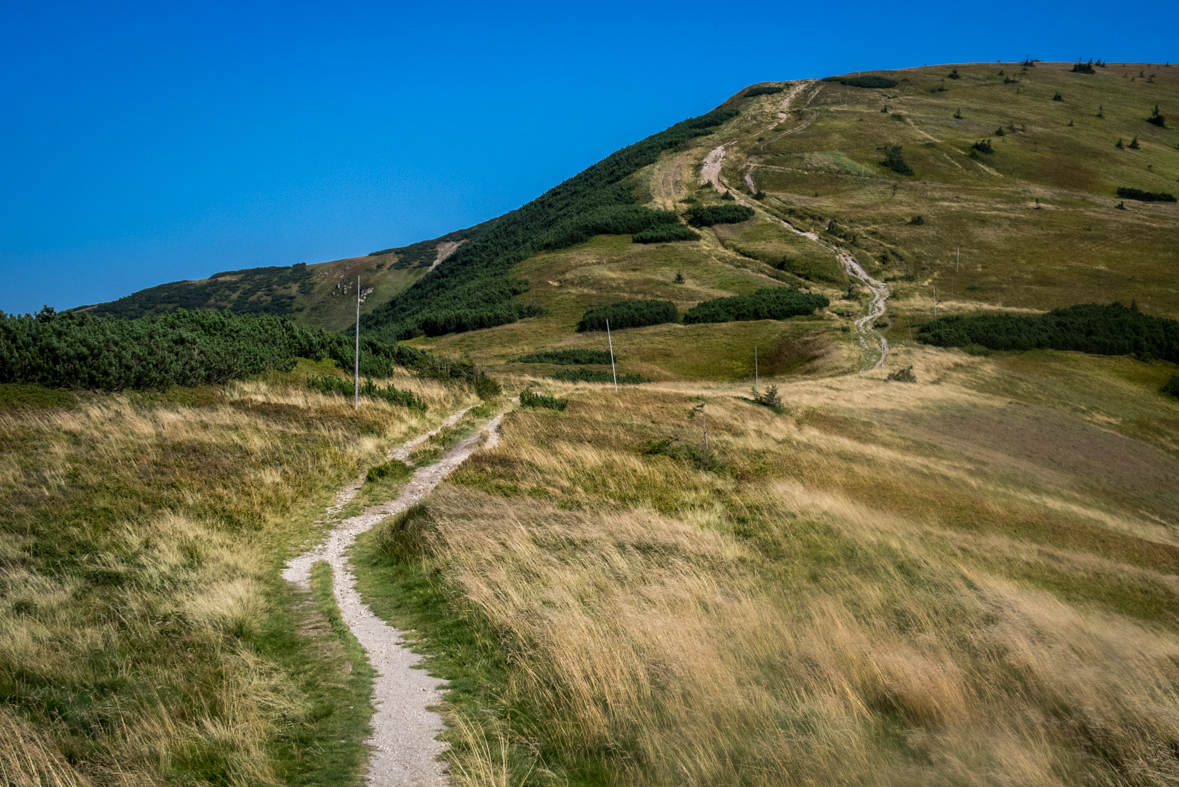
(145, 143)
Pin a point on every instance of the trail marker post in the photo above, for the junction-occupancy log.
(356, 374)
(612, 369)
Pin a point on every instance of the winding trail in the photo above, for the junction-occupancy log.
(866, 334)
(405, 745)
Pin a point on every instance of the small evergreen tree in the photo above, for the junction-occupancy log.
(1101, 111)
(1156, 118)
(1120, 144)
(1058, 97)
(1134, 143)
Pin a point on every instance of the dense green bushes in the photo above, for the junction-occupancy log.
(894, 161)
(628, 314)
(331, 384)
(581, 375)
(535, 400)
(77, 350)
(666, 233)
(474, 288)
(1172, 387)
(764, 90)
(1145, 196)
(719, 214)
(771, 303)
(1091, 328)
(394, 468)
(868, 81)
(566, 357)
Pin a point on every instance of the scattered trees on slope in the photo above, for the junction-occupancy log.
(475, 287)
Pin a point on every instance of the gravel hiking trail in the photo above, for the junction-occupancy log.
(866, 334)
(404, 742)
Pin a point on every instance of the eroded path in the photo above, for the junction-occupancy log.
(405, 745)
(875, 344)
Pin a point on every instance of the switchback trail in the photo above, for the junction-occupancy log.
(405, 745)
(866, 334)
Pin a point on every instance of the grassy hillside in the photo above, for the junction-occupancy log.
(147, 637)
(321, 294)
(967, 580)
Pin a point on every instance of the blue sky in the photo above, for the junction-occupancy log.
(151, 142)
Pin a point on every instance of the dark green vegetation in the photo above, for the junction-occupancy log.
(709, 215)
(330, 384)
(474, 289)
(895, 161)
(1172, 387)
(581, 375)
(565, 357)
(534, 400)
(771, 303)
(394, 468)
(78, 350)
(1104, 330)
(628, 314)
(666, 233)
(1145, 196)
(764, 90)
(250, 291)
(877, 82)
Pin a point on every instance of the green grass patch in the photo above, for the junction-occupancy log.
(596, 376)
(565, 357)
(540, 401)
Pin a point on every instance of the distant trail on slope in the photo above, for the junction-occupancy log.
(405, 733)
(711, 170)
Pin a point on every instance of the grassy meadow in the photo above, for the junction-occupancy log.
(967, 580)
(145, 637)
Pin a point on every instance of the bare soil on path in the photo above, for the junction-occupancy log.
(404, 742)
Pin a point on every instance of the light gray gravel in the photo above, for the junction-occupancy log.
(404, 743)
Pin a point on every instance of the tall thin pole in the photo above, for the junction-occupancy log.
(755, 375)
(356, 376)
(612, 369)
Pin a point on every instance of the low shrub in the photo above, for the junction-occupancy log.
(875, 82)
(1058, 97)
(768, 398)
(762, 91)
(540, 401)
(406, 536)
(394, 468)
(903, 375)
(1145, 196)
(628, 314)
(917, 221)
(1084, 68)
(581, 375)
(565, 357)
(688, 454)
(770, 303)
(666, 233)
(719, 214)
(894, 161)
(1157, 119)
(330, 384)
(983, 146)
(1172, 387)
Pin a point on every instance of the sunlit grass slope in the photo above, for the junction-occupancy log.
(145, 637)
(968, 580)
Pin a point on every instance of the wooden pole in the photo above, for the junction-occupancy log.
(356, 375)
(612, 369)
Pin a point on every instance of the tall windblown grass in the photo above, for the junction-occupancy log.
(845, 601)
(144, 635)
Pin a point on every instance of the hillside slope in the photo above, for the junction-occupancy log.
(321, 294)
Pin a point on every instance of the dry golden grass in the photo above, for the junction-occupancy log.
(860, 597)
(144, 635)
